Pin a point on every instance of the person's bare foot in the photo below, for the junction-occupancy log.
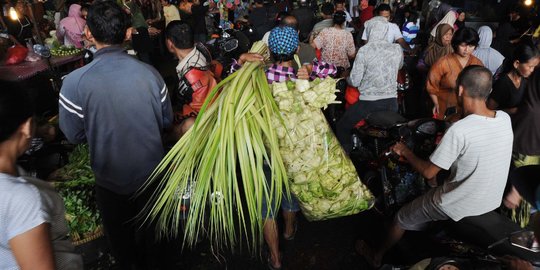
(364, 250)
(274, 262)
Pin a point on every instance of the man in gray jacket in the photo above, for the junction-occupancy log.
(374, 73)
(119, 106)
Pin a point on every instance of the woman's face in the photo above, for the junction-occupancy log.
(461, 17)
(465, 50)
(447, 37)
(527, 68)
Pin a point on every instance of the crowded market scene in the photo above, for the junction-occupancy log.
(269, 134)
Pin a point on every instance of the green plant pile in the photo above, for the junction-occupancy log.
(64, 51)
(76, 187)
(322, 176)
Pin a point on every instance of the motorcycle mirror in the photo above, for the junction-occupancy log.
(525, 240)
(230, 45)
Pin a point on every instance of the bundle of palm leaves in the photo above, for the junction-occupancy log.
(219, 163)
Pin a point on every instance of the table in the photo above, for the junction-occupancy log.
(26, 70)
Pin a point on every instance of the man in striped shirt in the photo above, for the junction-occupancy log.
(477, 151)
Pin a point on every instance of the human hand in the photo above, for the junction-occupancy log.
(436, 110)
(250, 57)
(514, 263)
(512, 199)
(153, 31)
(303, 73)
(400, 148)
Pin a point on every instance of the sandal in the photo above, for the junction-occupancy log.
(291, 237)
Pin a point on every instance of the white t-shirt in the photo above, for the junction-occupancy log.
(477, 150)
(392, 36)
(26, 203)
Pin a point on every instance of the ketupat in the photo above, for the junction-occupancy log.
(321, 175)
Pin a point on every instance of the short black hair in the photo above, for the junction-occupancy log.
(327, 9)
(107, 22)
(465, 35)
(180, 34)
(16, 107)
(476, 81)
(339, 18)
(413, 16)
(383, 7)
(280, 16)
(288, 21)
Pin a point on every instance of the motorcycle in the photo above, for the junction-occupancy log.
(392, 180)
(227, 45)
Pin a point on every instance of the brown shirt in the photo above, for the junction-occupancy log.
(442, 80)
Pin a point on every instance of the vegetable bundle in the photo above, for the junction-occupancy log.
(322, 176)
(77, 191)
(218, 165)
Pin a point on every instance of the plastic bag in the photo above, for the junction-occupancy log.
(16, 54)
(321, 175)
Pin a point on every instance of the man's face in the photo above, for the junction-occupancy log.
(385, 13)
(340, 7)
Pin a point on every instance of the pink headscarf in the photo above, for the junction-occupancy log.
(73, 26)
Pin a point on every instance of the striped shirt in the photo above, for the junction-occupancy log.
(477, 150)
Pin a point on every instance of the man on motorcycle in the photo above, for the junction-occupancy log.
(476, 149)
(195, 79)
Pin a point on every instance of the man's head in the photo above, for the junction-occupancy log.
(290, 21)
(473, 83)
(327, 9)
(106, 23)
(340, 6)
(384, 10)
(514, 13)
(179, 35)
(283, 43)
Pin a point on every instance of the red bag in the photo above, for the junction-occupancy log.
(16, 54)
(352, 96)
(201, 82)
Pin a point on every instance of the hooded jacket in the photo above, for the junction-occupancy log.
(377, 63)
(491, 58)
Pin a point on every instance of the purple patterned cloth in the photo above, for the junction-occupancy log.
(277, 73)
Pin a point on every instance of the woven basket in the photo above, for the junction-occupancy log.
(97, 234)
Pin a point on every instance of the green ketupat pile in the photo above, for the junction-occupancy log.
(321, 175)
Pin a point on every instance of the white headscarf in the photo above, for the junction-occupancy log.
(491, 58)
(449, 18)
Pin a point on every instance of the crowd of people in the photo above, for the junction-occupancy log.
(485, 84)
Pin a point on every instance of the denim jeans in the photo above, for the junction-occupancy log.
(360, 110)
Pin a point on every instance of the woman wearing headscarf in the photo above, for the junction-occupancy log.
(440, 46)
(491, 58)
(71, 28)
(443, 74)
(449, 18)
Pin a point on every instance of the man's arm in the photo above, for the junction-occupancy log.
(71, 115)
(425, 167)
